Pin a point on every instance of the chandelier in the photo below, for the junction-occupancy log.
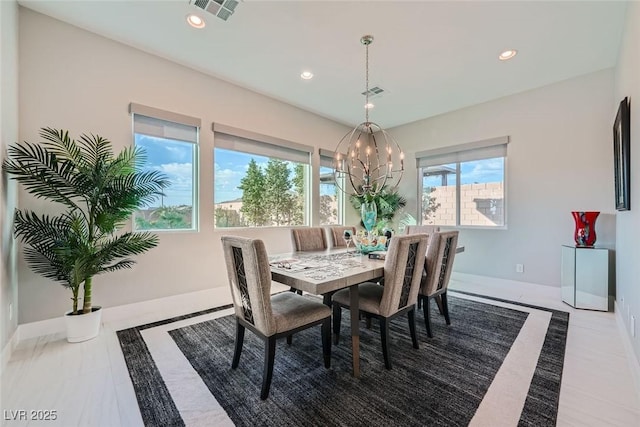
(365, 156)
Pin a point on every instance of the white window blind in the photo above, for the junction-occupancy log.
(326, 158)
(164, 124)
(248, 142)
(479, 150)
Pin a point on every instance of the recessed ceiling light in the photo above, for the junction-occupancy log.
(195, 21)
(507, 54)
(369, 106)
(306, 75)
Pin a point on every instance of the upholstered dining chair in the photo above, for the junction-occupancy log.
(269, 317)
(337, 234)
(403, 267)
(426, 229)
(308, 239)
(437, 271)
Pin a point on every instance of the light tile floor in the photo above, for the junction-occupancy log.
(87, 384)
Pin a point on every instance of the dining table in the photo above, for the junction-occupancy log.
(324, 272)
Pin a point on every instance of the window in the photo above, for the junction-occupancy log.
(331, 209)
(259, 181)
(464, 185)
(171, 145)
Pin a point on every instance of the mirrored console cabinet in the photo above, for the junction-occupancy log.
(588, 277)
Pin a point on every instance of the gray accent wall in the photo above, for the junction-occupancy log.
(8, 134)
(627, 84)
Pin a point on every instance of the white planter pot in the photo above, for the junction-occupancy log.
(83, 327)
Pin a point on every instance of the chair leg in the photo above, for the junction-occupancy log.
(289, 339)
(367, 321)
(445, 308)
(427, 318)
(337, 319)
(439, 303)
(412, 327)
(326, 342)
(269, 356)
(384, 337)
(239, 342)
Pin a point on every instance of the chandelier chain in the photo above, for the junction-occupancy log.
(366, 106)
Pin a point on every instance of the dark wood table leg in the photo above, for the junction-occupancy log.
(355, 329)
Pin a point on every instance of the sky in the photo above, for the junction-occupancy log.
(475, 172)
(175, 159)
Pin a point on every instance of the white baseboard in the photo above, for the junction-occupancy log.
(634, 363)
(163, 308)
(129, 315)
(488, 281)
(40, 328)
(8, 350)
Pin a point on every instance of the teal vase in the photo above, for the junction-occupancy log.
(369, 213)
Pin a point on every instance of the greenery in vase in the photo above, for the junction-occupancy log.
(388, 203)
(98, 190)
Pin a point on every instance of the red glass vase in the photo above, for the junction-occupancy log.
(585, 233)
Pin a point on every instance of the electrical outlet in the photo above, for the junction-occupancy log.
(632, 326)
(519, 268)
(10, 311)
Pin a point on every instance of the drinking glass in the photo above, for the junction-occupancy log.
(347, 239)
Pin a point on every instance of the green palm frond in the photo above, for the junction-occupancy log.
(120, 265)
(59, 143)
(96, 150)
(47, 265)
(126, 245)
(112, 251)
(42, 173)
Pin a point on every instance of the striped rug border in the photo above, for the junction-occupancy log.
(547, 378)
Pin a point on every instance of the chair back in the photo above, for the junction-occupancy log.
(415, 229)
(403, 267)
(439, 263)
(308, 239)
(337, 233)
(250, 281)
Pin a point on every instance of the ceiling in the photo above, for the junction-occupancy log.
(430, 57)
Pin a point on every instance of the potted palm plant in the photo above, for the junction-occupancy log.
(98, 192)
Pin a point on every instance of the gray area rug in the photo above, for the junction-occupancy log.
(441, 384)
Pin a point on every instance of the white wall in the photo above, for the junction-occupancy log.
(560, 159)
(76, 80)
(8, 197)
(628, 222)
